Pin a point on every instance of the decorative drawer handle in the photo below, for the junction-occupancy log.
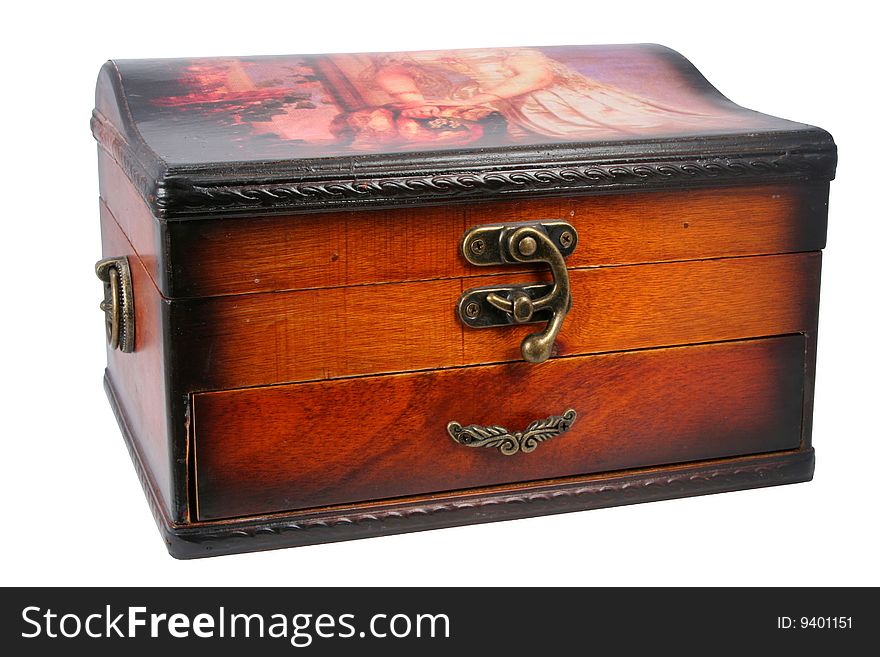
(550, 242)
(118, 303)
(475, 435)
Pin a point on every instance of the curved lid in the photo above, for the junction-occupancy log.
(258, 135)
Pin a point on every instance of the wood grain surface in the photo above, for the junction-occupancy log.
(130, 211)
(327, 250)
(139, 378)
(290, 447)
(247, 340)
(341, 294)
(260, 254)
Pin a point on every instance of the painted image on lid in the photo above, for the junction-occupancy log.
(348, 104)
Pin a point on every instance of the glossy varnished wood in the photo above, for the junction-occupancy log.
(205, 258)
(326, 250)
(260, 339)
(298, 353)
(140, 377)
(291, 447)
(635, 307)
(195, 538)
(132, 214)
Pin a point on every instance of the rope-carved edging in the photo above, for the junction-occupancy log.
(118, 148)
(607, 492)
(623, 491)
(181, 196)
(210, 198)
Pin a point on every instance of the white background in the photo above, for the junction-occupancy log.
(72, 509)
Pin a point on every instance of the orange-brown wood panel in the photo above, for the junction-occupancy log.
(316, 334)
(278, 448)
(240, 255)
(131, 213)
(634, 307)
(283, 337)
(138, 378)
(410, 244)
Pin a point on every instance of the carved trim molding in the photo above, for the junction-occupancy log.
(378, 518)
(199, 198)
(179, 194)
(614, 491)
(110, 139)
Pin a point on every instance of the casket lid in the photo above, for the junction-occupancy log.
(268, 135)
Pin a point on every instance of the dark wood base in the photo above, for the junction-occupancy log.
(396, 516)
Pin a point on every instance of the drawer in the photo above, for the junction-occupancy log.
(305, 445)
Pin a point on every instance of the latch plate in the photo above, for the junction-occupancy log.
(517, 244)
(486, 245)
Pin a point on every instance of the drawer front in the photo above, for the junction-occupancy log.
(297, 446)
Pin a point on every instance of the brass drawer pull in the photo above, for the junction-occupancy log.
(548, 241)
(118, 303)
(475, 435)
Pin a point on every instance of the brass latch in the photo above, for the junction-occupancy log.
(482, 307)
(118, 303)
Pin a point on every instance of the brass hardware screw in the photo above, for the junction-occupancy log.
(528, 246)
(472, 310)
(566, 239)
(478, 246)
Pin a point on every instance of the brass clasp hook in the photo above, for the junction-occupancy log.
(550, 242)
